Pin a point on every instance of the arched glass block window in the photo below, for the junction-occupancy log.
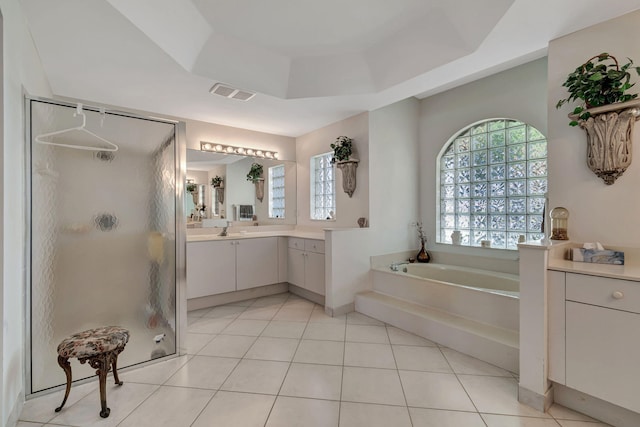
(492, 184)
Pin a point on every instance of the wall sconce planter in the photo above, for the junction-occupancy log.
(219, 192)
(348, 168)
(609, 138)
(259, 182)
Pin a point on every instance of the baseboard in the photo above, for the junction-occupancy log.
(14, 415)
(594, 407)
(339, 311)
(229, 297)
(306, 294)
(539, 402)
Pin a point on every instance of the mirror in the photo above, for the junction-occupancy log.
(236, 200)
(195, 203)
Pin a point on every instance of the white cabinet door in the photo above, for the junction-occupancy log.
(257, 262)
(603, 350)
(314, 272)
(295, 267)
(210, 268)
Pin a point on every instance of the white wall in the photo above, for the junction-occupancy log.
(598, 212)
(22, 72)
(518, 93)
(348, 209)
(393, 204)
(201, 131)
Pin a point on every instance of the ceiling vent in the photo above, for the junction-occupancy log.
(231, 92)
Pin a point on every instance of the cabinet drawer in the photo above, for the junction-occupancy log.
(605, 292)
(296, 243)
(316, 246)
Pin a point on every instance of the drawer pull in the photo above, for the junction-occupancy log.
(618, 294)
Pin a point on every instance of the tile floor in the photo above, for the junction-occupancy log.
(279, 361)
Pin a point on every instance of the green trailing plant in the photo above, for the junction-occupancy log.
(216, 181)
(255, 172)
(192, 188)
(599, 81)
(342, 149)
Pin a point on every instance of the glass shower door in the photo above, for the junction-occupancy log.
(103, 235)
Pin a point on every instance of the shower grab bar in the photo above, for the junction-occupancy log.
(82, 128)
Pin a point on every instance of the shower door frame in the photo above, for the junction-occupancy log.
(180, 153)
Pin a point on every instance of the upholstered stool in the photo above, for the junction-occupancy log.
(101, 347)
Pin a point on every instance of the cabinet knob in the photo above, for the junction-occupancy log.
(618, 294)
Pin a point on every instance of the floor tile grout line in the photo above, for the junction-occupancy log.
(395, 361)
(286, 373)
(158, 387)
(344, 355)
(462, 385)
(204, 407)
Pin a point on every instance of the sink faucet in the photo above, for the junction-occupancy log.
(224, 233)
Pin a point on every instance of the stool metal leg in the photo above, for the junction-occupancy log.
(102, 376)
(66, 366)
(101, 364)
(114, 366)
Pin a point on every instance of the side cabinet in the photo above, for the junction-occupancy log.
(602, 338)
(306, 264)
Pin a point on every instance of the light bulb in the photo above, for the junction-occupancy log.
(259, 153)
(218, 147)
(230, 150)
(207, 146)
(250, 152)
(240, 150)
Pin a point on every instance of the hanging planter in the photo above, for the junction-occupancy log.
(348, 169)
(608, 114)
(255, 176)
(259, 183)
(217, 183)
(342, 151)
(609, 138)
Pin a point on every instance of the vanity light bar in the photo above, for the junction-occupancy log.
(230, 149)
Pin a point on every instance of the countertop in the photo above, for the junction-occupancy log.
(625, 272)
(251, 235)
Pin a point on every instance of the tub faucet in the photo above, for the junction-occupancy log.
(395, 266)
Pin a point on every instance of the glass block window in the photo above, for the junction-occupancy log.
(493, 180)
(276, 192)
(323, 187)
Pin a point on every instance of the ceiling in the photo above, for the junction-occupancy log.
(311, 63)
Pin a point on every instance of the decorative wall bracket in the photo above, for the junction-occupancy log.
(219, 193)
(609, 138)
(348, 168)
(259, 188)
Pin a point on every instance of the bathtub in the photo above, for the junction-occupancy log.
(484, 280)
(484, 296)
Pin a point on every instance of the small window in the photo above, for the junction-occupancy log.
(493, 180)
(276, 192)
(323, 193)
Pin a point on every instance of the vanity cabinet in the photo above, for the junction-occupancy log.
(601, 322)
(210, 268)
(305, 267)
(215, 267)
(256, 262)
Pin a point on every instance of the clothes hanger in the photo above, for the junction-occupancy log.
(81, 128)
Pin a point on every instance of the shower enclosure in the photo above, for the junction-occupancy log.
(105, 234)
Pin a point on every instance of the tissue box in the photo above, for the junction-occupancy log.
(598, 256)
